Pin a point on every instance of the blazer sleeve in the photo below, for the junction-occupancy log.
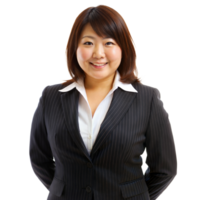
(39, 149)
(161, 155)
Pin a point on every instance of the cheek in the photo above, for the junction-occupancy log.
(114, 54)
(83, 54)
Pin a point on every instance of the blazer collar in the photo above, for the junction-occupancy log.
(80, 85)
(120, 104)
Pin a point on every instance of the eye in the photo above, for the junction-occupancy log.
(87, 42)
(91, 43)
(109, 42)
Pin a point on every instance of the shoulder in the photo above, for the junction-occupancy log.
(50, 92)
(55, 87)
(147, 94)
(145, 90)
(49, 89)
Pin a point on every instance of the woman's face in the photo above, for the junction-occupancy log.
(97, 50)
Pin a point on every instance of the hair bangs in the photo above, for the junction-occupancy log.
(103, 24)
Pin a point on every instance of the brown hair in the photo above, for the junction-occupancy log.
(105, 21)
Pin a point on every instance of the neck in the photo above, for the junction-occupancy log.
(99, 84)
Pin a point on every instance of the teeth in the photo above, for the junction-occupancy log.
(98, 64)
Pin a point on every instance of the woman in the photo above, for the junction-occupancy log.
(88, 133)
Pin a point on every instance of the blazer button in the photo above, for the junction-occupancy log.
(89, 165)
(88, 189)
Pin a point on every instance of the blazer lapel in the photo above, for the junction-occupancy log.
(121, 102)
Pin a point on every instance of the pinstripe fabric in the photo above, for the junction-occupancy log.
(89, 125)
(134, 121)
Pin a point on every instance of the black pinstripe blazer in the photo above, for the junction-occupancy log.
(112, 171)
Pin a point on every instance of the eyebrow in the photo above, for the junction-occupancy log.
(93, 37)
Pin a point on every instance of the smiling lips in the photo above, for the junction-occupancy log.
(98, 65)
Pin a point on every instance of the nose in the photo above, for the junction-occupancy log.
(98, 51)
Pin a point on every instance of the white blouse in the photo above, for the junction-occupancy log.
(89, 126)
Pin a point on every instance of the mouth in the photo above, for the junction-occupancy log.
(99, 66)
